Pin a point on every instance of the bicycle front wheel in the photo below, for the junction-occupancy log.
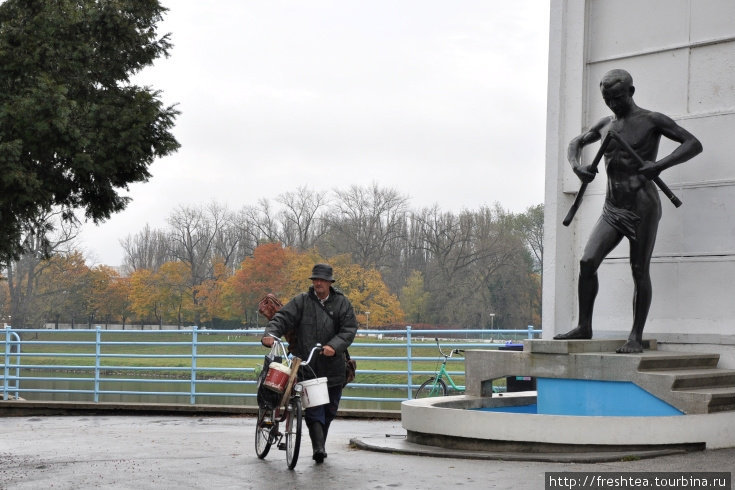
(431, 387)
(263, 428)
(293, 432)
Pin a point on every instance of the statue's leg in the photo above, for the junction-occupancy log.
(641, 251)
(602, 241)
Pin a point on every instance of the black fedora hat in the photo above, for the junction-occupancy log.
(322, 271)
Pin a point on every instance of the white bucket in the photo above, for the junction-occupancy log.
(314, 392)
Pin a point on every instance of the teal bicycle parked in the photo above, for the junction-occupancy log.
(436, 385)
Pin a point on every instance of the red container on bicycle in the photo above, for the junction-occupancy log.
(277, 377)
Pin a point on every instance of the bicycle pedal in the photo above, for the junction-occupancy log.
(282, 446)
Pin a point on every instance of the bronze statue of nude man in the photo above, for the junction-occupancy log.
(632, 206)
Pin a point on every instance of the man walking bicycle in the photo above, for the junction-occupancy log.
(321, 315)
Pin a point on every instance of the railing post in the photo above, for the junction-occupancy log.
(408, 361)
(98, 337)
(7, 360)
(193, 392)
(9, 336)
(530, 331)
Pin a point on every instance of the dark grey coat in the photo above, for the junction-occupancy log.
(335, 327)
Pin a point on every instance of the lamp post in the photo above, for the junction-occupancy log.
(492, 321)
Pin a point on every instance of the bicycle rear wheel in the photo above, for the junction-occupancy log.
(264, 427)
(293, 432)
(431, 387)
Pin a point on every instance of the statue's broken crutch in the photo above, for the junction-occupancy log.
(593, 166)
(657, 180)
(583, 187)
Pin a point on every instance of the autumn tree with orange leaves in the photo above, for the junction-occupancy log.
(175, 292)
(213, 294)
(146, 299)
(64, 289)
(101, 278)
(264, 272)
(285, 273)
(117, 299)
(367, 292)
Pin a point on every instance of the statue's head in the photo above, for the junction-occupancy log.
(617, 91)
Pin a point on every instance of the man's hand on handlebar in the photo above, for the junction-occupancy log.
(269, 340)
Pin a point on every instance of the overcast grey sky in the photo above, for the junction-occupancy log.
(443, 101)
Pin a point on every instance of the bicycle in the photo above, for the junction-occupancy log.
(275, 408)
(436, 386)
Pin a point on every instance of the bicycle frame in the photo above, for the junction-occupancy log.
(436, 385)
(443, 373)
(443, 370)
(288, 410)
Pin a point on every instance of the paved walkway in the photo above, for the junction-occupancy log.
(157, 452)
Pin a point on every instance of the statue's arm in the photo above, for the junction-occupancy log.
(689, 145)
(577, 144)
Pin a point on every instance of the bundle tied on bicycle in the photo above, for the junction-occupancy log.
(274, 376)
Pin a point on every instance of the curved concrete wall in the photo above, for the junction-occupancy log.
(445, 416)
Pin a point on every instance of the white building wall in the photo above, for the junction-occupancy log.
(681, 54)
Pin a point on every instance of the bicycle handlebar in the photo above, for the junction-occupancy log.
(317, 347)
(451, 352)
(279, 343)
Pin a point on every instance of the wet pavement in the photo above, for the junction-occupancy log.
(160, 451)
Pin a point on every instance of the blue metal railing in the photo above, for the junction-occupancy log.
(11, 338)
(194, 380)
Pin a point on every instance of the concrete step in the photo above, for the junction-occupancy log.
(715, 399)
(705, 390)
(703, 378)
(667, 361)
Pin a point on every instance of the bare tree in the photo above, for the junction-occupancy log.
(193, 234)
(365, 223)
(148, 249)
(531, 225)
(465, 255)
(300, 217)
(403, 257)
(448, 247)
(263, 221)
(503, 277)
(247, 235)
(231, 241)
(448, 242)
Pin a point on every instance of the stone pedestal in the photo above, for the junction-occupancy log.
(596, 400)
(690, 382)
